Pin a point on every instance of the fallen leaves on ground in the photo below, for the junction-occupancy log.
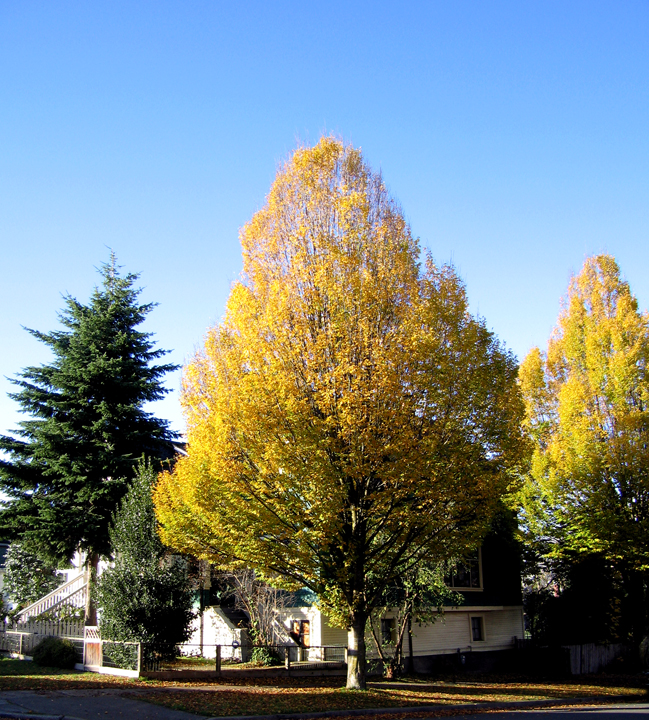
(272, 700)
(270, 695)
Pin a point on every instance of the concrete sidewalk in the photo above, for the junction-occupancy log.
(84, 705)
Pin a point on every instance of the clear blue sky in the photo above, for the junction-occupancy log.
(514, 134)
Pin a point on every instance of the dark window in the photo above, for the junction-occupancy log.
(465, 574)
(388, 631)
(477, 632)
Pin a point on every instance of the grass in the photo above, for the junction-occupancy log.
(250, 696)
(320, 696)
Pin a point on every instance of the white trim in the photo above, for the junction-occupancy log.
(100, 670)
(483, 627)
(71, 592)
(480, 608)
(480, 587)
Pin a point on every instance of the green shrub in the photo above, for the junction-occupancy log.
(146, 596)
(265, 656)
(55, 652)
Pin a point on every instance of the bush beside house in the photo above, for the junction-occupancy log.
(146, 595)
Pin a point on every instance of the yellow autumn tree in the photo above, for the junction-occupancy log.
(347, 417)
(587, 411)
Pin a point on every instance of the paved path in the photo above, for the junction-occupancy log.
(85, 705)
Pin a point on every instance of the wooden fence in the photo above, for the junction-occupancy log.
(591, 658)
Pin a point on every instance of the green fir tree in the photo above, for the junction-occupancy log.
(27, 577)
(68, 465)
(146, 596)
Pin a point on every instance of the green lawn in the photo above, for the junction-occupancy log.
(249, 696)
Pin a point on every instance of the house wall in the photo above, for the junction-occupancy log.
(449, 634)
(322, 633)
(452, 632)
(500, 557)
(289, 615)
(331, 635)
(217, 630)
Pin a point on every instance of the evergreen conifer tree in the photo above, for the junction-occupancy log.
(27, 577)
(69, 464)
(146, 596)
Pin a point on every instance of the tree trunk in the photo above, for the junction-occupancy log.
(634, 606)
(92, 564)
(411, 658)
(201, 610)
(356, 660)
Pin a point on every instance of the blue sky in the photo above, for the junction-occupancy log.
(515, 136)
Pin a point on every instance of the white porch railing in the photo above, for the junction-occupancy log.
(72, 593)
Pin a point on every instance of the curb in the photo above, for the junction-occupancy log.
(474, 708)
(32, 716)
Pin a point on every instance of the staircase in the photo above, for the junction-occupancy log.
(73, 593)
(237, 617)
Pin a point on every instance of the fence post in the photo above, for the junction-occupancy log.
(139, 658)
(218, 659)
(20, 648)
(287, 657)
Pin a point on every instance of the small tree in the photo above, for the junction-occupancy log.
(28, 577)
(263, 603)
(146, 596)
(419, 594)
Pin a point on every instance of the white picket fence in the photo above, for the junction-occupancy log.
(21, 644)
(66, 628)
(93, 653)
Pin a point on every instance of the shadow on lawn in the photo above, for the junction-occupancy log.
(270, 695)
(255, 702)
(503, 692)
(246, 701)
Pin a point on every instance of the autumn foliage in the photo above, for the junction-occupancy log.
(587, 401)
(347, 417)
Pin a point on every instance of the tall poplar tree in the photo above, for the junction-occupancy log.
(348, 417)
(587, 401)
(69, 464)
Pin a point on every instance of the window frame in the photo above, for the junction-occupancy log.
(388, 627)
(483, 627)
(480, 587)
